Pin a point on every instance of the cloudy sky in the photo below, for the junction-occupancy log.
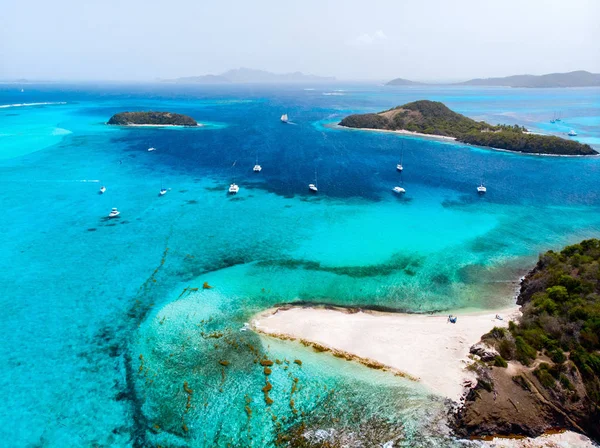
(349, 39)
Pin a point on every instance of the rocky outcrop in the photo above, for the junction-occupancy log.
(484, 352)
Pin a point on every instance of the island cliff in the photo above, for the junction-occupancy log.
(543, 372)
(151, 119)
(436, 119)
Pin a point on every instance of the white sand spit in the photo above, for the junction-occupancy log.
(423, 346)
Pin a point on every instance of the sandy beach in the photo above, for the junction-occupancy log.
(453, 139)
(157, 125)
(424, 347)
(400, 131)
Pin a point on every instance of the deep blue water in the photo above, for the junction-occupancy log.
(83, 297)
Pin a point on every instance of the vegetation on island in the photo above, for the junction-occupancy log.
(554, 348)
(435, 118)
(152, 118)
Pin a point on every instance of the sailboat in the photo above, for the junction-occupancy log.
(163, 190)
(233, 187)
(553, 118)
(284, 118)
(559, 114)
(257, 168)
(399, 167)
(313, 187)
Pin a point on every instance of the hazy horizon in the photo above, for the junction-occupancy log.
(422, 41)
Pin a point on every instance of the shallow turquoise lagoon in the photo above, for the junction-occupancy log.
(83, 297)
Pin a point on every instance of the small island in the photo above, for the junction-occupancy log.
(436, 119)
(151, 119)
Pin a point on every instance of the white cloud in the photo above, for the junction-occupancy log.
(368, 39)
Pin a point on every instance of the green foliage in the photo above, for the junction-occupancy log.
(543, 374)
(507, 349)
(557, 293)
(561, 312)
(557, 355)
(433, 117)
(154, 118)
(500, 362)
(525, 353)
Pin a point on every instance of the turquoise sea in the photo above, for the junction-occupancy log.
(110, 340)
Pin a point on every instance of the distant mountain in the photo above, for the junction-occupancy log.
(403, 82)
(578, 78)
(252, 76)
(204, 79)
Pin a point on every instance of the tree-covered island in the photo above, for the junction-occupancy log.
(151, 119)
(435, 118)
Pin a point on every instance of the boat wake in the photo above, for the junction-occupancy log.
(6, 106)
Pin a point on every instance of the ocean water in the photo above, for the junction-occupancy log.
(104, 321)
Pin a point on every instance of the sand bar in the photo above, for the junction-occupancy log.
(425, 347)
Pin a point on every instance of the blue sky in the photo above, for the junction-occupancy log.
(350, 39)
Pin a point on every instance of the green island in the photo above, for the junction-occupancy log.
(552, 354)
(151, 119)
(436, 119)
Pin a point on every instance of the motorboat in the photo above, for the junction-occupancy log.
(114, 213)
(572, 133)
(399, 190)
(102, 189)
(233, 188)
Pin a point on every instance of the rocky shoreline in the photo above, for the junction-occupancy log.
(529, 397)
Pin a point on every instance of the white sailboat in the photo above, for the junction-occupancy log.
(257, 168)
(400, 167)
(313, 187)
(233, 187)
(284, 118)
(162, 191)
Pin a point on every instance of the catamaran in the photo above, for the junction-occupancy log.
(284, 118)
(114, 213)
(313, 187)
